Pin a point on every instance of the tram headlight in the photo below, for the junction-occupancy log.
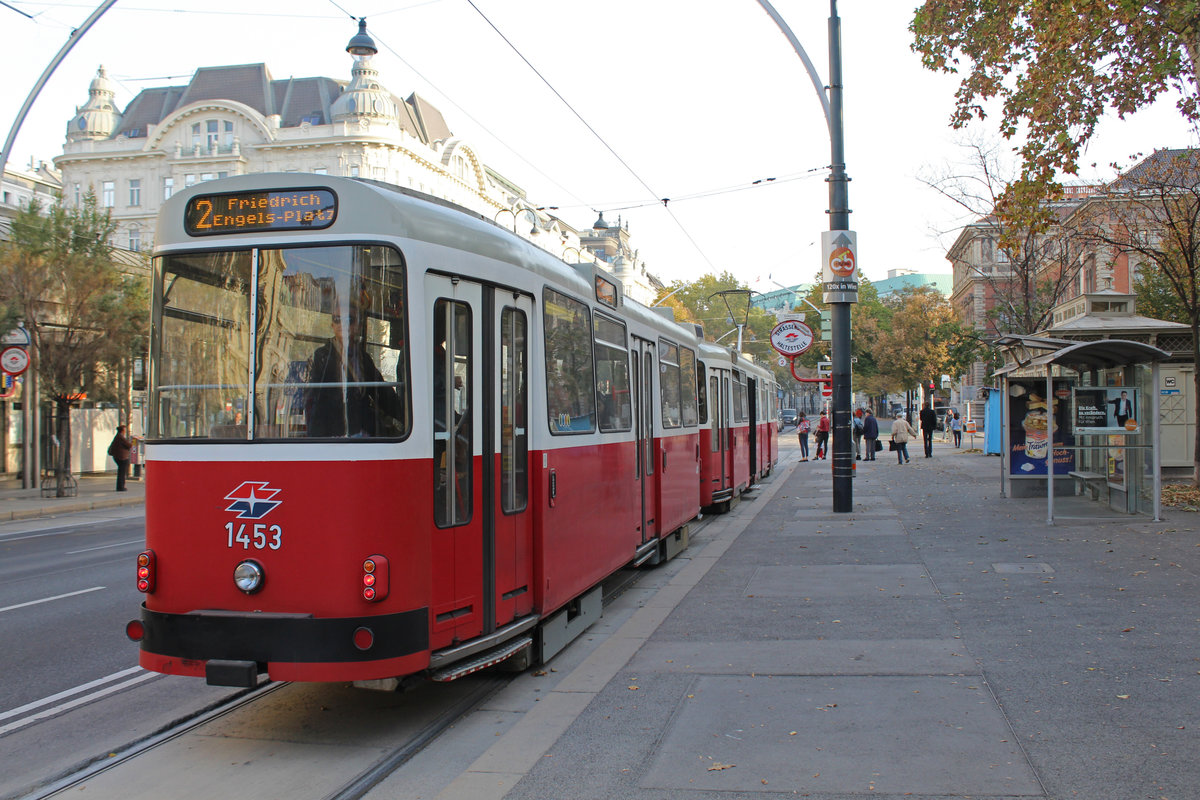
(248, 576)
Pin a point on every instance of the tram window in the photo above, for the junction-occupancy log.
(570, 401)
(714, 402)
(201, 364)
(332, 358)
(514, 424)
(740, 410)
(702, 393)
(687, 386)
(453, 427)
(669, 388)
(613, 412)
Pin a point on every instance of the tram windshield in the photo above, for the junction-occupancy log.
(322, 353)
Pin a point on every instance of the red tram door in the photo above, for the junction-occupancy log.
(643, 359)
(718, 409)
(482, 537)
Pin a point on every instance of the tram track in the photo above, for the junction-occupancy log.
(103, 763)
(408, 745)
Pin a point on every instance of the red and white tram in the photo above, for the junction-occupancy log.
(738, 436)
(389, 437)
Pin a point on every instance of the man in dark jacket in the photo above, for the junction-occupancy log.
(120, 450)
(928, 426)
(870, 434)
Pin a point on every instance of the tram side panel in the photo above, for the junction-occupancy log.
(586, 528)
(678, 478)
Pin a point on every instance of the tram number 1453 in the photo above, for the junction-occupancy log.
(261, 536)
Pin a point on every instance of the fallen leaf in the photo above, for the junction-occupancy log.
(718, 766)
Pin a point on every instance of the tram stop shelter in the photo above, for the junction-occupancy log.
(1080, 422)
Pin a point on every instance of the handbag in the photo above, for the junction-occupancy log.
(891, 444)
(878, 445)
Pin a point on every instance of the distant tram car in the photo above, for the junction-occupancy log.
(388, 437)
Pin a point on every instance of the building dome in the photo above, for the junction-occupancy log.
(365, 96)
(98, 117)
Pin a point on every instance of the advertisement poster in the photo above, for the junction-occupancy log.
(1037, 424)
(1109, 410)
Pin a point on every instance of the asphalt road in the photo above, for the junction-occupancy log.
(72, 689)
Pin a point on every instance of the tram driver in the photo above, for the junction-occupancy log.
(347, 395)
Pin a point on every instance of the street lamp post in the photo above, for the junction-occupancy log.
(841, 287)
(839, 220)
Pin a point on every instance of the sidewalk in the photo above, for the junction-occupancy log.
(939, 641)
(95, 491)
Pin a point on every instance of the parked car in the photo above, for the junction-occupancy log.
(788, 415)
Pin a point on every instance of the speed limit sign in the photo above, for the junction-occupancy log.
(14, 360)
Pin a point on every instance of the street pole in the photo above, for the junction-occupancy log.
(839, 220)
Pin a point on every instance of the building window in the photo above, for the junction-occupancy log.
(77, 194)
(196, 134)
(320, 171)
(222, 175)
(108, 194)
(168, 188)
(214, 134)
(229, 134)
(188, 180)
(135, 193)
(135, 238)
(207, 176)
(354, 170)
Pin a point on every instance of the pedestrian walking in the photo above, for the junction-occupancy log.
(803, 426)
(856, 430)
(928, 426)
(822, 435)
(901, 433)
(956, 429)
(870, 434)
(120, 449)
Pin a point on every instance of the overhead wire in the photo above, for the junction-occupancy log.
(594, 132)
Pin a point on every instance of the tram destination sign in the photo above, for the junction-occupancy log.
(249, 212)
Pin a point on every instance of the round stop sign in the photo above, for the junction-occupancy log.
(827, 390)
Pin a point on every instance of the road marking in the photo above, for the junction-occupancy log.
(49, 599)
(78, 701)
(105, 547)
(68, 692)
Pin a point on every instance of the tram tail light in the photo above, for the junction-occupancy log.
(375, 578)
(146, 571)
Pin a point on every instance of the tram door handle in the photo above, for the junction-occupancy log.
(664, 454)
(553, 487)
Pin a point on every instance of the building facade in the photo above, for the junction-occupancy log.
(235, 120)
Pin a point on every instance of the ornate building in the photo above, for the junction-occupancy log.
(235, 120)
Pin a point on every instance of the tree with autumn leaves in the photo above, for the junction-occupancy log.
(1056, 68)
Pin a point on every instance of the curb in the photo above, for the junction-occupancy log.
(75, 507)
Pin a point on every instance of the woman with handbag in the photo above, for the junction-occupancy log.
(901, 433)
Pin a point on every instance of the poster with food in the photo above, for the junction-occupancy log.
(1039, 425)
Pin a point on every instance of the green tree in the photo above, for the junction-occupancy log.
(84, 314)
(923, 340)
(1056, 68)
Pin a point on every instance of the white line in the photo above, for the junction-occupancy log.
(48, 599)
(105, 547)
(50, 712)
(68, 692)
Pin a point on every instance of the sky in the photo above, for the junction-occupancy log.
(601, 107)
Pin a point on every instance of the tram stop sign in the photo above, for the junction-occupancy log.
(826, 390)
(791, 338)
